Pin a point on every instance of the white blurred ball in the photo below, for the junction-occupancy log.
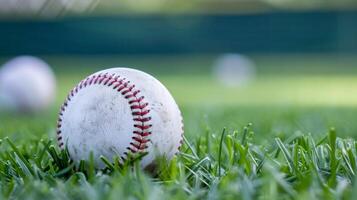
(234, 70)
(27, 84)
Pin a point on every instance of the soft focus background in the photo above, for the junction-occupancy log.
(304, 55)
(287, 66)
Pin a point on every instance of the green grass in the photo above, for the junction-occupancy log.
(226, 165)
(290, 151)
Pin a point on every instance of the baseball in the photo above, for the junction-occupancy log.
(27, 84)
(119, 111)
(234, 70)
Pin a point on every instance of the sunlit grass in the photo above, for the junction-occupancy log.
(303, 90)
(300, 90)
(290, 151)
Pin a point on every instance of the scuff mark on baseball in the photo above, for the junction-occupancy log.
(119, 111)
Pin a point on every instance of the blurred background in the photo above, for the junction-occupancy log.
(285, 65)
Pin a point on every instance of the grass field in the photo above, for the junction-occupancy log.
(287, 135)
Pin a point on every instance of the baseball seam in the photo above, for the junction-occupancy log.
(138, 106)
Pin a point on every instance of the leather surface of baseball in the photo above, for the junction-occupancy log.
(119, 111)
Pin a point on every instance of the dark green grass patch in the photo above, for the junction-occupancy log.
(228, 165)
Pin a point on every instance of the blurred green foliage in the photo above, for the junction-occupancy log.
(217, 6)
(275, 32)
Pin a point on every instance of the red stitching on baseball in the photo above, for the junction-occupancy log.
(140, 140)
(142, 133)
(142, 127)
(142, 119)
(120, 88)
(141, 113)
(130, 149)
(139, 146)
(136, 100)
(138, 107)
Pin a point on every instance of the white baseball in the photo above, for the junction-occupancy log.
(27, 84)
(117, 111)
(234, 70)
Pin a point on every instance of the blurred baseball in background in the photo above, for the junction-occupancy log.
(27, 84)
(234, 70)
